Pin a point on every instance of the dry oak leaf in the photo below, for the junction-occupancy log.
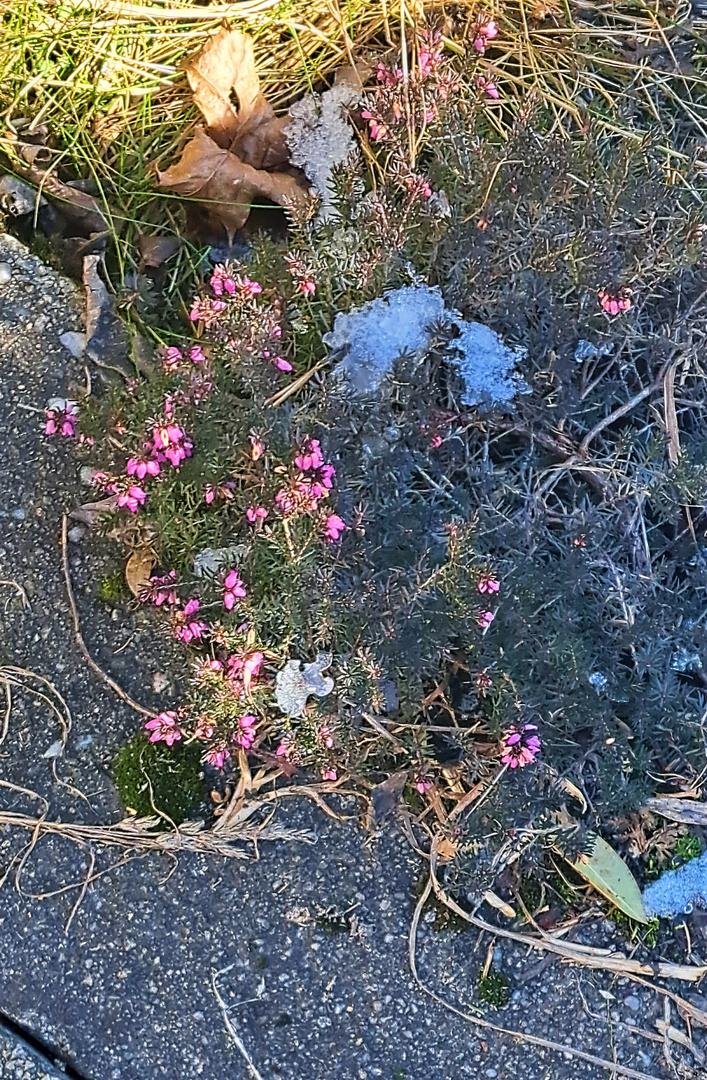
(225, 184)
(138, 569)
(224, 67)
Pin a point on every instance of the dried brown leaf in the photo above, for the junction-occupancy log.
(224, 67)
(155, 250)
(92, 512)
(107, 342)
(225, 184)
(138, 569)
(82, 209)
(385, 798)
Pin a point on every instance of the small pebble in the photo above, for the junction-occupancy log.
(76, 534)
(74, 343)
(18, 514)
(160, 682)
(5, 273)
(632, 1002)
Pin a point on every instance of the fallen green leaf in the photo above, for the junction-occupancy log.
(610, 876)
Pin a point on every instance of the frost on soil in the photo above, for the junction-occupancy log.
(677, 892)
(319, 137)
(401, 323)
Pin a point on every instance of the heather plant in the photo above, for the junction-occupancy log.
(512, 595)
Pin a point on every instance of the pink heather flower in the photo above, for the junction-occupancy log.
(191, 631)
(164, 728)
(248, 287)
(61, 416)
(483, 681)
(327, 475)
(164, 435)
(616, 303)
(329, 774)
(172, 358)
(418, 186)
(161, 590)
(388, 76)
(245, 735)
(485, 619)
(218, 756)
(436, 442)
(196, 355)
(286, 500)
(257, 448)
(310, 457)
(285, 749)
(334, 527)
(486, 31)
(425, 63)
(142, 467)
(378, 130)
(86, 440)
(325, 737)
(308, 286)
(488, 86)
(209, 493)
(133, 498)
(234, 590)
(205, 728)
(222, 282)
(520, 746)
(252, 666)
(281, 364)
(255, 514)
(204, 669)
(422, 784)
(488, 585)
(207, 311)
(186, 628)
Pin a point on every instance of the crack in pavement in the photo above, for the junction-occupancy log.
(55, 1065)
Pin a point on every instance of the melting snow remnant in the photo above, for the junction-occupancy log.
(295, 683)
(401, 323)
(677, 892)
(320, 136)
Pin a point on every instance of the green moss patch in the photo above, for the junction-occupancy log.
(153, 779)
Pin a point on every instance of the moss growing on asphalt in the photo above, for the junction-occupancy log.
(494, 989)
(153, 779)
(113, 588)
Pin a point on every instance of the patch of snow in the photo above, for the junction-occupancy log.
(401, 323)
(587, 351)
(320, 137)
(294, 683)
(598, 680)
(686, 662)
(677, 892)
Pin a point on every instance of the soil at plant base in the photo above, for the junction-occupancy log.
(314, 936)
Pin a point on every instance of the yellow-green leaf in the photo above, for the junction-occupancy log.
(610, 876)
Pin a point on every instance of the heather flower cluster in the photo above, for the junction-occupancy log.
(395, 103)
(616, 303)
(241, 319)
(520, 746)
(225, 708)
(61, 417)
(168, 444)
(309, 484)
